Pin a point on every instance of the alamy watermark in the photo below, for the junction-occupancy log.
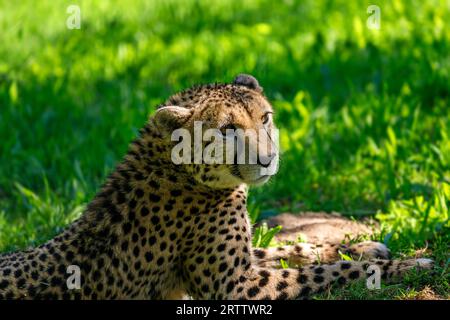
(374, 20)
(74, 280)
(230, 146)
(373, 281)
(73, 21)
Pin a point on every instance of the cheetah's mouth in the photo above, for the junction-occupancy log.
(257, 181)
(261, 180)
(235, 171)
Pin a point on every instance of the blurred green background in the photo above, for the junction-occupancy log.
(364, 114)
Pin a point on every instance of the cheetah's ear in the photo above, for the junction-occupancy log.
(248, 81)
(169, 118)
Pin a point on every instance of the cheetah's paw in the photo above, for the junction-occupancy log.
(369, 250)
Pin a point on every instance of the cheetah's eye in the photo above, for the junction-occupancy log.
(266, 117)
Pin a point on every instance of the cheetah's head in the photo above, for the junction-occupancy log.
(223, 133)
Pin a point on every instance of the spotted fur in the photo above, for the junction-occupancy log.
(157, 230)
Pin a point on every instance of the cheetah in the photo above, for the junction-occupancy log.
(159, 230)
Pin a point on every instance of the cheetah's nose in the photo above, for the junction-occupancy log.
(265, 161)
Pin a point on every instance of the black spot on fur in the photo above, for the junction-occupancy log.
(318, 279)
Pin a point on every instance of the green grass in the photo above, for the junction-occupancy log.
(364, 114)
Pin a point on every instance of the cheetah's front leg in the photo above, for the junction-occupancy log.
(306, 253)
(263, 283)
(237, 278)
